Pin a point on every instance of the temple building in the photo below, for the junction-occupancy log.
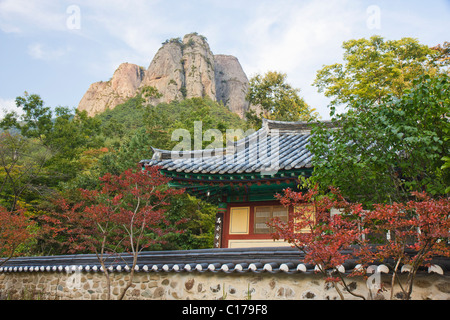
(243, 179)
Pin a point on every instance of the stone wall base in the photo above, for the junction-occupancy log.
(203, 286)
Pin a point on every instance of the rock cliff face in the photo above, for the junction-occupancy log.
(198, 62)
(180, 69)
(166, 73)
(106, 95)
(231, 83)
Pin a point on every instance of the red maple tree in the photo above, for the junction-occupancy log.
(415, 231)
(125, 216)
(325, 239)
(15, 230)
(409, 234)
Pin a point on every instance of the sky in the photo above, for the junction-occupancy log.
(58, 48)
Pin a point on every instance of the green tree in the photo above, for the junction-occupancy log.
(443, 55)
(63, 132)
(128, 155)
(164, 118)
(374, 68)
(36, 120)
(380, 153)
(276, 99)
(21, 165)
(152, 126)
(72, 133)
(199, 222)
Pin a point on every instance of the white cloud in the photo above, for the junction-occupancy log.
(18, 16)
(8, 105)
(291, 36)
(42, 52)
(298, 38)
(139, 24)
(124, 31)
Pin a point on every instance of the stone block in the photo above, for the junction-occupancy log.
(189, 284)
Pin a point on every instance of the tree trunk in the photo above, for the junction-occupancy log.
(130, 281)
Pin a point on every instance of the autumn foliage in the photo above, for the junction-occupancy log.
(325, 239)
(416, 232)
(15, 231)
(322, 237)
(123, 210)
(125, 216)
(406, 235)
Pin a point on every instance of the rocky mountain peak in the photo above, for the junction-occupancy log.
(231, 83)
(182, 68)
(198, 64)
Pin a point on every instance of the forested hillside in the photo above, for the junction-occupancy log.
(55, 153)
(53, 156)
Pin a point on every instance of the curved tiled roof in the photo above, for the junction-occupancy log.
(278, 145)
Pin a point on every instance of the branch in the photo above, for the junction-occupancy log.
(394, 276)
(347, 288)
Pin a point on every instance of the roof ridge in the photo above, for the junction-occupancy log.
(279, 145)
(268, 126)
(293, 126)
(161, 154)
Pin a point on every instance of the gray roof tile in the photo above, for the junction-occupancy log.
(239, 260)
(277, 145)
